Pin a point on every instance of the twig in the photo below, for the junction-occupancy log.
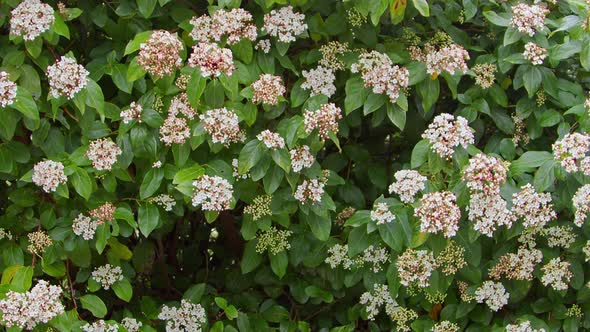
(70, 114)
(71, 285)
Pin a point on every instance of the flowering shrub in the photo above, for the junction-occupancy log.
(304, 165)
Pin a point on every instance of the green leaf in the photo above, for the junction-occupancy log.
(397, 116)
(123, 289)
(135, 71)
(282, 158)
(214, 94)
(428, 90)
(420, 153)
(94, 304)
(355, 94)
(82, 183)
(146, 7)
(497, 19)
(358, 240)
(397, 9)
(95, 97)
(25, 104)
(251, 259)
(529, 161)
(188, 174)
(251, 153)
(316, 292)
(148, 218)
(279, 263)
(195, 88)
(151, 182)
(422, 7)
(60, 27)
(585, 55)
(195, 293)
(320, 226)
(34, 47)
(135, 43)
(23, 279)
(532, 79)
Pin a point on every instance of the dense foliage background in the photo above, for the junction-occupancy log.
(151, 198)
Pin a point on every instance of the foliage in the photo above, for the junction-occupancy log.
(301, 231)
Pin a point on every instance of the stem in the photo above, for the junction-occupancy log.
(70, 114)
(72, 293)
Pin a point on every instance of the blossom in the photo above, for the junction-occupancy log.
(559, 236)
(271, 140)
(107, 275)
(263, 45)
(493, 293)
(213, 193)
(407, 184)
(100, 326)
(528, 18)
(376, 256)
(267, 89)
(331, 53)
(284, 24)
(338, 255)
(189, 317)
(310, 191)
(7, 90)
(451, 259)
(174, 131)
(222, 125)
(438, 212)
(38, 242)
(30, 19)
(180, 105)
(534, 208)
(84, 226)
(415, 267)
(235, 24)
(66, 78)
(26, 310)
(571, 151)
(557, 274)
(104, 213)
(103, 153)
(381, 214)
(445, 326)
(325, 120)
(379, 73)
(260, 207)
(581, 203)
(320, 81)
(445, 133)
(450, 58)
(212, 60)
(160, 56)
(376, 299)
(517, 266)
(131, 324)
(165, 201)
(49, 174)
(489, 211)
(273, 240)
(301, 158)
(534, 53)
(132, 113)
(485, 173)
(157, 164)
(485, 75)
(522, 327)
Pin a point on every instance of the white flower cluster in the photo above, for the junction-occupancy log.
(174, 131)
(235, 24)
(131, 324)
(5, 234)
(445, 326)
(493, 293)
(338, 255)
(66, 78)
(189, 317)
(223, 126)
(557, 274)
(407, 184)
(26, 310)
(438, 212)
(381, 214)
(374, 256)
(7, 90)
(103, 153)
(320, 81)
(181, 105)
(534, 208)
(445, 133)
(235, 173)
(581, 203)
(212, 60)
(586, 250)
(325, 120)
(450, 58)
(165, 201)
(267, 89)
(331, 53)
(107, 275)
(534, 53)
(571, 152)
(415, 267)
(271, 140)
(489, 211)
(273, 240)
(132, 113)
(376, 299)
(559, 236)
(30, 19)
(310, 191)
(213, 193)
(100, 326)
(518, 266)
(159, 55)
(263, 45)
(522, 327)
(379, 73)
(485, 173)
(377, 256)
(301, 158)
(49, 174)
(528, 18)
(84, 226)
(284, 24)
